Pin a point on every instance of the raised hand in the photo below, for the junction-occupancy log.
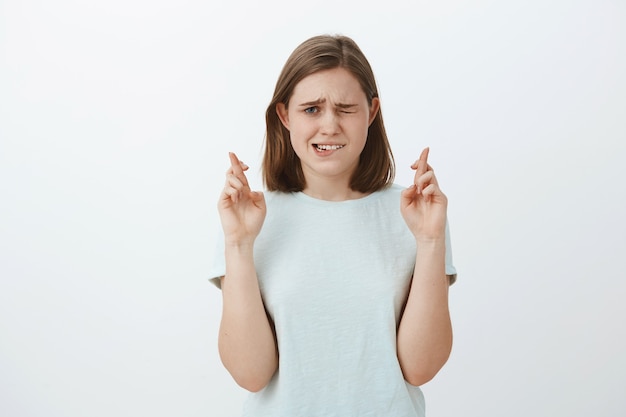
(423, 205)
(241, 210)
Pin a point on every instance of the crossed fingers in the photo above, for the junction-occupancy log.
(236, 182)
(424, 180)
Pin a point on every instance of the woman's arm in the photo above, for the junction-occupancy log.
(425, 331)
(246, 341)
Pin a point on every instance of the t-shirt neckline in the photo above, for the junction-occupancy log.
(356, 201)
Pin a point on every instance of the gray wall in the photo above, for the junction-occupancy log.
(115, 123)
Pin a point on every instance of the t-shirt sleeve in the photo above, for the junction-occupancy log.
(450, 269)
(218, 263)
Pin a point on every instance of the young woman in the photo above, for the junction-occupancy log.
(335, 280)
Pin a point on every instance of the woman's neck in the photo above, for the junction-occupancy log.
(330, 190)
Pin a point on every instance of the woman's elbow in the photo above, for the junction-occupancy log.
(252, 375)
(250, 378)
(250, 372)
(251, 383)
(418, 373)
(419, 377)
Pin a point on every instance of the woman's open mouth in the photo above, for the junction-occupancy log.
(325, 148)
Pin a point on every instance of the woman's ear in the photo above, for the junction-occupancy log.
(374, 107)
(283, 114)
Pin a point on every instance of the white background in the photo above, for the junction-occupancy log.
(115, 122)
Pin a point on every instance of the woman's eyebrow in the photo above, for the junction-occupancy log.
(323, 100)
(314, 102)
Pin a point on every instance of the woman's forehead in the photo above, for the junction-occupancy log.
(336, 84)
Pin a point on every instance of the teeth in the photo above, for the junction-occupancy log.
(328, 147)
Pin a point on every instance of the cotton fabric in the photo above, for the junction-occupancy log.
(334, 277)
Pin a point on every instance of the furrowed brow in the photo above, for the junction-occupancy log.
(313, 103)
(346, 105)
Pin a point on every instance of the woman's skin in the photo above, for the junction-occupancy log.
(246, 340)
(425, 331)
(328, 109)
(328, 118)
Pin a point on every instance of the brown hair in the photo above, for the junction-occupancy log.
(282, 170)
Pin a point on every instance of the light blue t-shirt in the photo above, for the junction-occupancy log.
(334, 277)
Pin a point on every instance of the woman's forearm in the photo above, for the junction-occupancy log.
(247, 343)
(425, 331)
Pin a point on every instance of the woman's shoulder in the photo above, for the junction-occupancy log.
(277, 196)
(279, 200)
(392, 191)
(395, 188)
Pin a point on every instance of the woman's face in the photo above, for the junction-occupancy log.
(328, 118)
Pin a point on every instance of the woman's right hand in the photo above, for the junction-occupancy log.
(241, 210)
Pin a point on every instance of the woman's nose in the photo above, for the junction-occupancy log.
(329, 123)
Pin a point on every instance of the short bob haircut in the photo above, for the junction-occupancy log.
(282, 170)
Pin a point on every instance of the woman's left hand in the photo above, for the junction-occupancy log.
(423, 205)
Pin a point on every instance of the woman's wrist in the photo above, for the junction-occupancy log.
(239, 246)
(433, 241)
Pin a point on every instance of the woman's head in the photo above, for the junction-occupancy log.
(282, 168)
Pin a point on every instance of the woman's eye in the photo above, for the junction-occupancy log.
(311, 110)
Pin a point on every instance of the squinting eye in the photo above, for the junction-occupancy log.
(311, 110)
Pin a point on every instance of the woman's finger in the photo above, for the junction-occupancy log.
(432, 191)
(234, 181)
(427, 178)
(230, 193)
(421, 166)
(423, 158)
(424, 181)
(238, 168)
(230, 169)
